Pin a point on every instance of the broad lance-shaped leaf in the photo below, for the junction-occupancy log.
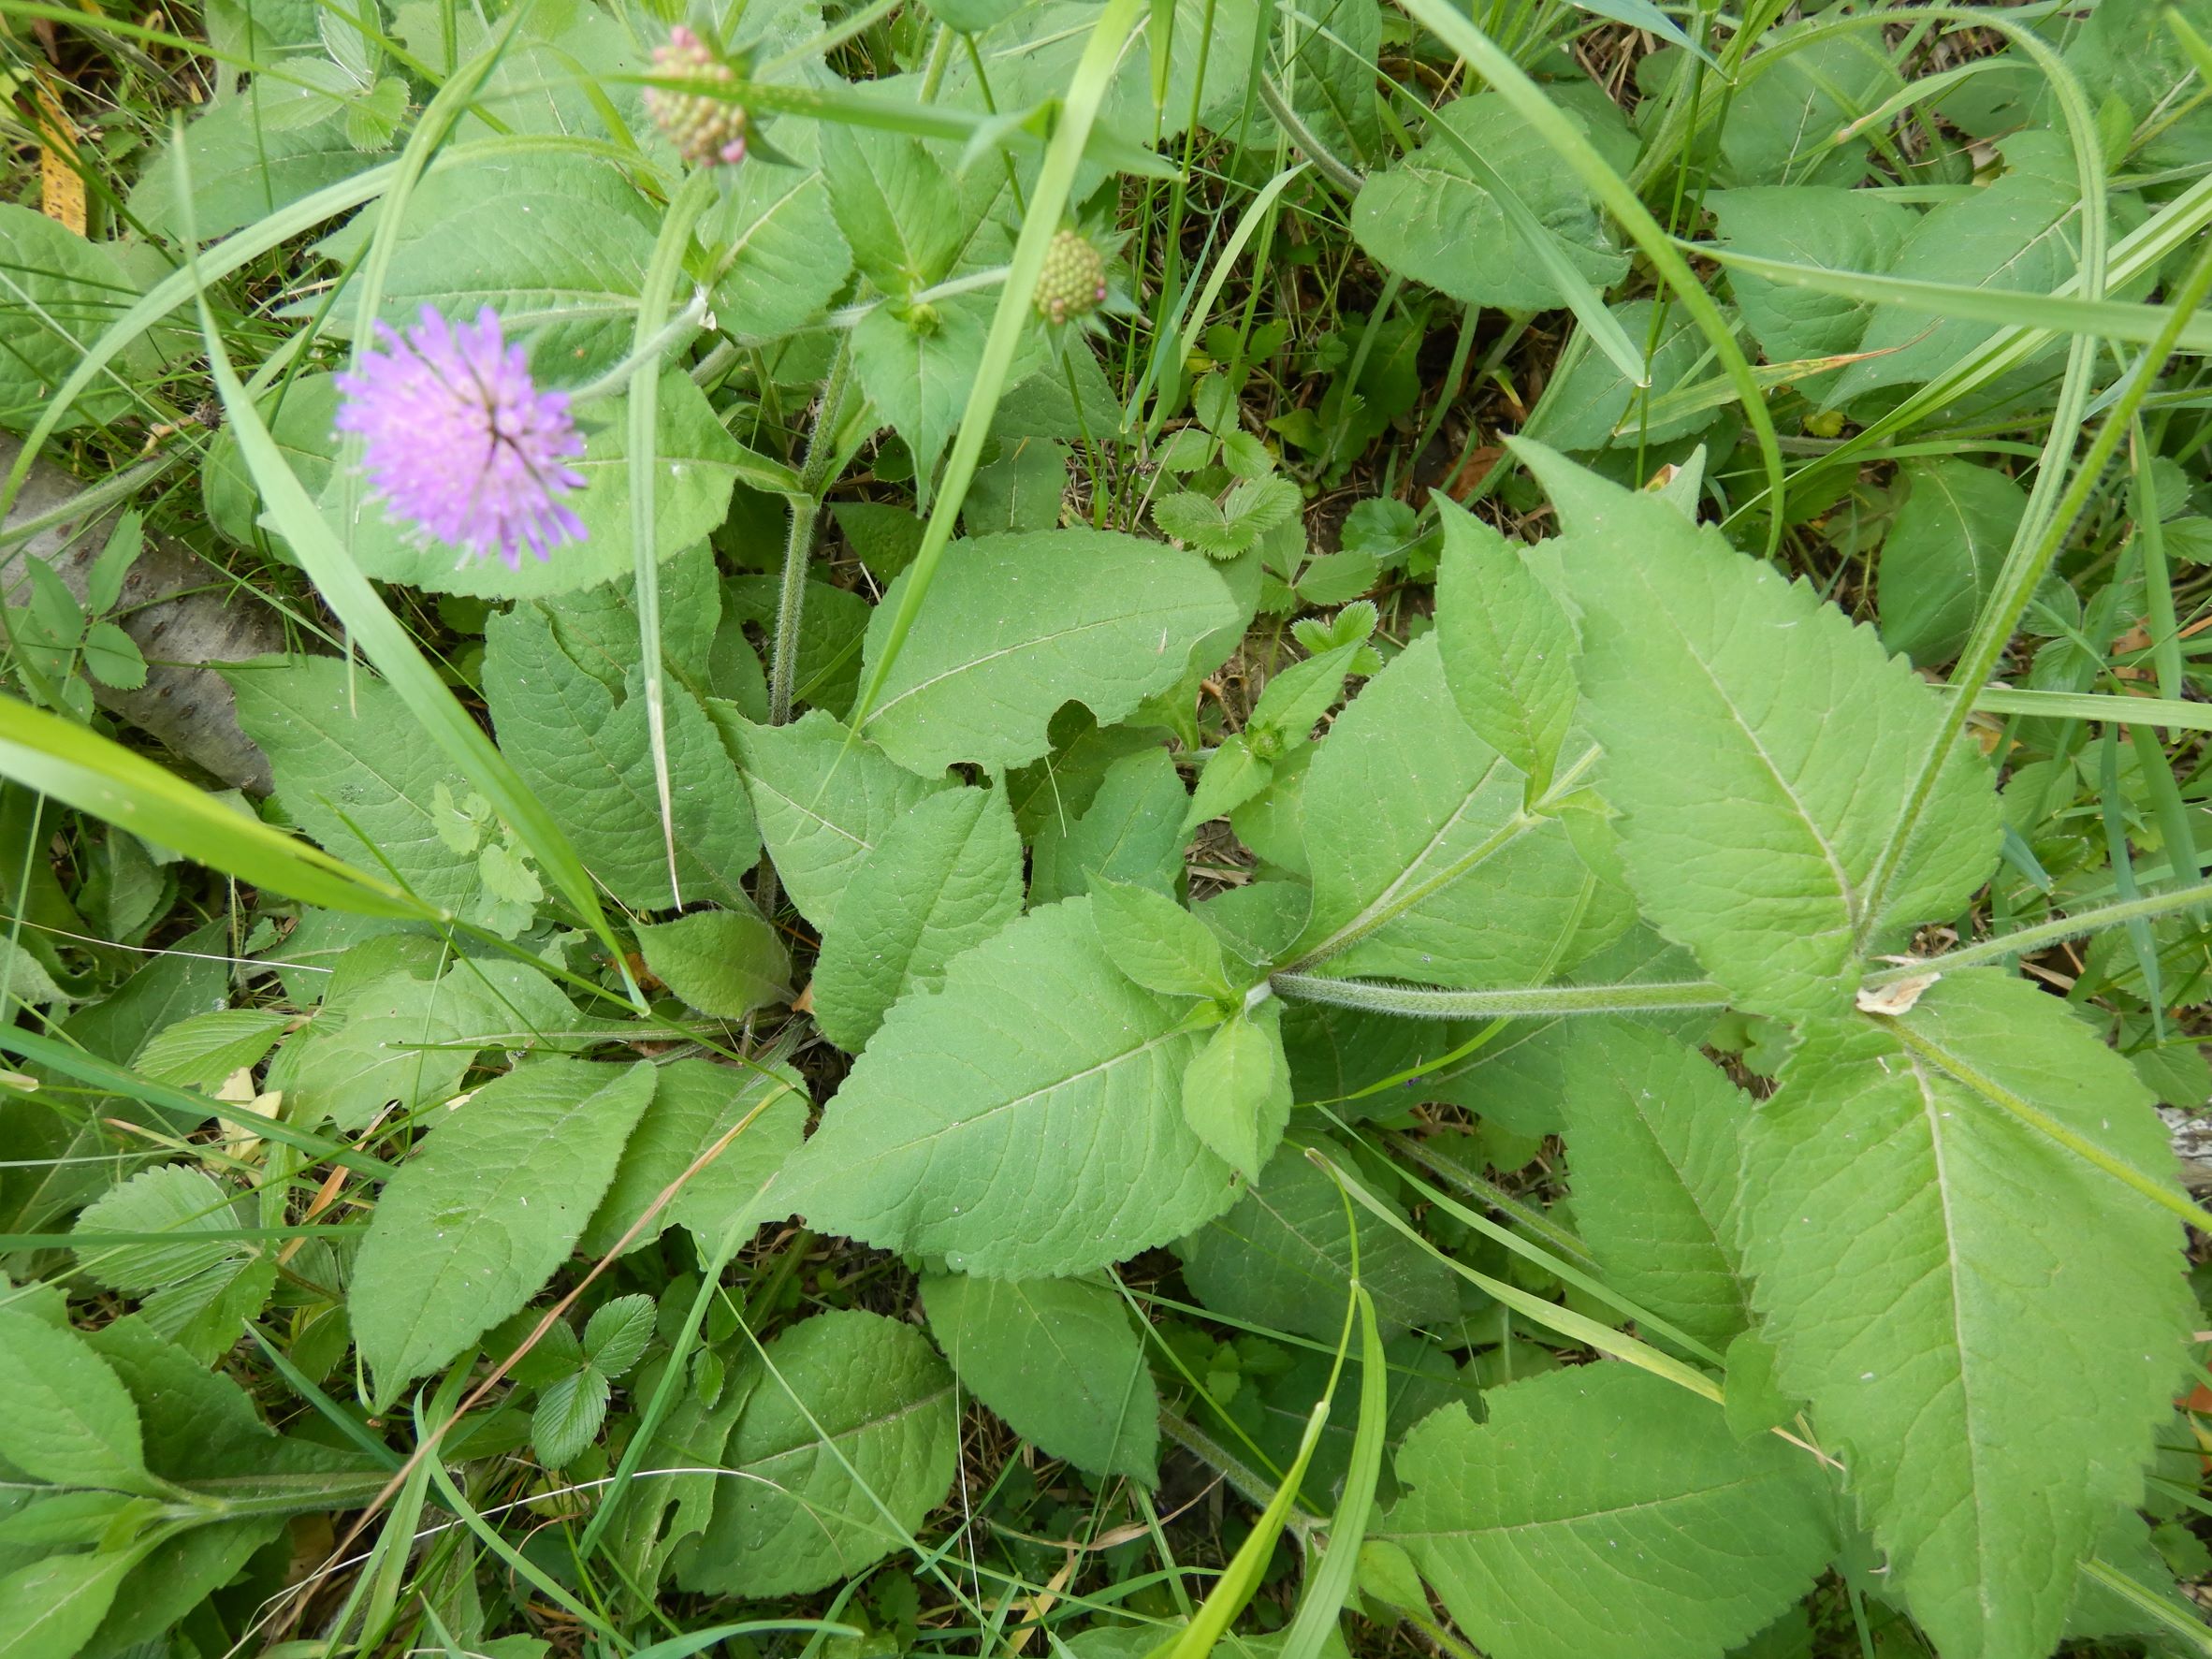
(695, 1104)
(1987, 1326)
(590, 760)
(1024, 1122)
(1652, 1134)
(1604, 1511)
(1060, 1361)
(800, 1514)
(947, 876)
(484, 1211)
(823, 798)
(1425, 867)
(1758, 746)
(1017, 625)
(1508, 647)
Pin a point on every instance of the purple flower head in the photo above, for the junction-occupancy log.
(460, 442)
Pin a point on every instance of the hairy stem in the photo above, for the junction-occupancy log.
(798, 552)
(2029, 939)
(1421, 1002)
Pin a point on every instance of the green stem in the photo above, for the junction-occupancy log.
(798, 552)
(2028, 940)
(1527, 1002)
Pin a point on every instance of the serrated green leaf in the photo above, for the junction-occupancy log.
(898, 210)
(1756, 745)
(1941, 559)
(796, 1517)
(1283, 1258)
(200, 1053)
(724, 963)
(372, 119)
(1652, 1139)
(69, 1420)
(1236, 1090)
(568, 1416)
(1197, 521)
(694, 1104)
(490, 1203)
(112, 657)
(1157, 942)
(1602, 1510)
(787, 258)
(1987, 1327)
(1058, 1360)
(824, 800)
(1017, 625)
(590, 761)
(616, 1335)
(1024, 1122)
(946, 876)
(1425, 867)
(1509, 648)
(196, 1292)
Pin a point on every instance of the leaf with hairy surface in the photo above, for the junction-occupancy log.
(1989, 1327)
(824, 800)
(1758, 745)
(1016, 625)
(947, 876)
(1653, 1131)
(1025, 1121)
(491, 1203)
(1425, 865)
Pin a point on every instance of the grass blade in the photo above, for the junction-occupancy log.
(94, 773)
(1330, 1580)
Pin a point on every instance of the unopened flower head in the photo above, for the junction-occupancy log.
(460, 442)
(1073, 281)
(704, 130)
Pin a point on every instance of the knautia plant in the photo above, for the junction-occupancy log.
(1368, 830)
(459, 442)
